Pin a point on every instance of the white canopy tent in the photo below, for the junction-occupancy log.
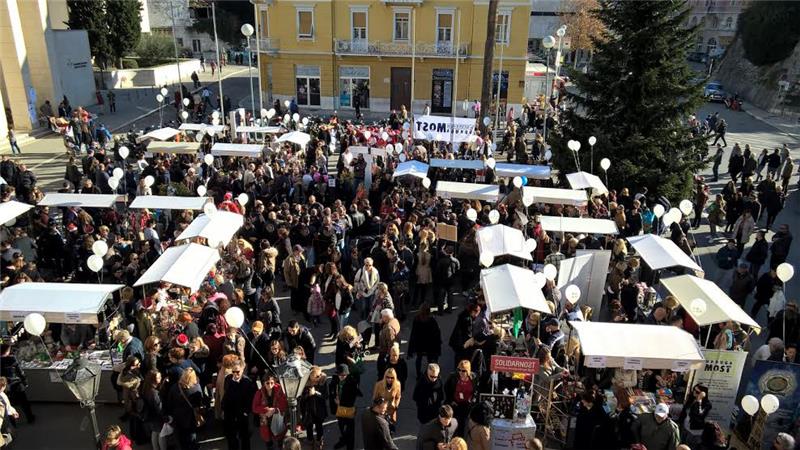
(578, 225)
(202, 126)
(255, 129)
(502, 240)
(226, 149)
(507, 287)
(470, 191)
(616, 342)
(585, 180)
(173, 147)
(660, 253)
(12, 209)
(716, 306)
(413, 168)
(79, 200)
(555, 196)
(220, 227)
(57, 302)
(185, 265)
(168, 202)
(522, 170)
(161, 134)
(295, 137)
(470, 164)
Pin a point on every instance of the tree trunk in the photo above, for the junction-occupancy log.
(488, 59)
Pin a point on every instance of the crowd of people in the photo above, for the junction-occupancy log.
(357, 253)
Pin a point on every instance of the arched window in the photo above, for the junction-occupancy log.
(712, 45)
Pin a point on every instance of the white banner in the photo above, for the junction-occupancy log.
(439, 128)
(722, 374)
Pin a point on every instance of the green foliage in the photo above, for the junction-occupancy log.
(155, 49)
(228, 26)
(130, 63)
(636, 100)
(770, 31)
(124, 22)
(90, 16)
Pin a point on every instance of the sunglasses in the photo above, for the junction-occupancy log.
(462, 371)
(390, 378)
(236, 372)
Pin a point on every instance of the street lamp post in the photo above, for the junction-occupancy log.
(293, 375)
(247, 31)
(83, 380)
(548, 43)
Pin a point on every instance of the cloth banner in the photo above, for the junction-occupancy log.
(439, 128)
(781, 379)
(722, 374)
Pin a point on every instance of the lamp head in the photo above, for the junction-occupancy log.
(247, 30)
(548, 42)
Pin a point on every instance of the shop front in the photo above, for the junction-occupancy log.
(442, 91)
(354, 87)
(307, 81)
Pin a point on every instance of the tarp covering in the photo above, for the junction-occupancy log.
(578, 225)
(414, 168)
(12, 209)
(186, 265)
(471, 164)
(79, 200)
(555, 196)
(507, 287)
(502, 240)
(226, 149)
(168, 202)
(57, 302)
(220, 227)
(295, 137)
(173, 147)
(658, 347)
(585, 180)
(201, 126)
(471, 191)
(717, 306)
(660, 253)
(522, 170)
(252, 129)
(161, 134)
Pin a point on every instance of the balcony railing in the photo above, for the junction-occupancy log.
(445, 49)
(269, 45)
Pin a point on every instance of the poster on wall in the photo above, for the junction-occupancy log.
(439, 128)
(722, 375)
(781, 380)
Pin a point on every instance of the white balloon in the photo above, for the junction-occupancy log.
(785, 271)
(548, 155)
(286, 118)
(486, 121)
(235, 317)
(118, 173)
(149, 180)
(305, 121)
(577, 145)
(208, 159)
(592, 140)
(686, 207)
(184, 115)
(185, 102)
(398, 147)
(95, 263)
(124, 152)
(286, 103)
(530, 245)
(658, 210)
(426, 182)
(406, 125)
(527, 200)
(750, 404)
(402, 157)
(201, 190)
(550, 272)
(573, 293)
(472, 214)
(34, 324)
(296, 117)
(539, 280)
(159, 98)
(676, 214)
(490, 163)
(494, 216)
(270, 113)
(215, 115)
(367, 134)
(113, 183)
(605, 163)
(164, 91)
(385, 136)
(667, 220)
(263, 112)
(209, 209)
(570, 145)
(486, 258)
(770, 403)
(100, 248)
(698, 307)
(517, 182)
(243, 199)
(215, 121)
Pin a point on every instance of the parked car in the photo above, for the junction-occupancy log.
(714, 92)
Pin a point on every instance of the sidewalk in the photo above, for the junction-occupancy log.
(788, 124)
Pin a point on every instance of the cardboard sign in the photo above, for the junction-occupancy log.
(72, 317)
(597, 362)
(514, 364)
(447, 232)
(632, 364)
(680, 366)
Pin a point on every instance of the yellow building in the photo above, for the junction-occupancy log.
(330, 54)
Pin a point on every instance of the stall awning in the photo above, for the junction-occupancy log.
(201, 126)
(168, 202)
(162, 134)
(470, 164)
(226, 149)
(555, 196)
(57, 302)
(507, 287)
(12, 209)
(717, 307)
(502, 240)
(295, 137)
(220, 227)
(585, 180)
(252, 129)
(618, 341)
(578, 225)
(185, 265)
(660, 253)
(470, 191)
(79, 200)
(522, 170)
(414, 168)
(173, 147)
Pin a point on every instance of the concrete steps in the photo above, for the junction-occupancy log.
(24, 139)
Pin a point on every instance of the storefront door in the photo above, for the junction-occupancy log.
(401, 88)
(442, 91)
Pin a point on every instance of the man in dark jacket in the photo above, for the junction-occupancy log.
(727, 255)
(257, 349)
(236, 406)
(375, 427)
(439, 430)
(300, 336)
(447, 266)
(429, 394)
(758, 253)
(742, 284)
(765, 288)
(26, 181)
(781, 242)
(17, 383)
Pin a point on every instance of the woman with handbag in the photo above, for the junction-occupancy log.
(314, 408)
(343, 390)
(185, 403)
(389, 388)
(270, 404)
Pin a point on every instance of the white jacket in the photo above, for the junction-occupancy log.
(365, 283)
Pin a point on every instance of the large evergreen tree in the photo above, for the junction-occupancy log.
(124, 22)
(636, 100)
(90, 16)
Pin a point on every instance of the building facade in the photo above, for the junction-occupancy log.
(157, 18)
(336, 54)
(717, 20)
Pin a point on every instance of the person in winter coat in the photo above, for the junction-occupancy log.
(781, 243)
(657, 431)
(426, 338)
(766, 286)
(623, 420)
(758, 253)
(115, 440)
(153, 412)
(183, 401)
(300, 336)
(743, 229)
(439, 431)
(342, 301)
(742, 284)
(313, 406)
(292, 266)
(395, 361)
(590, 424)
(236, 405)
(727, 255)
(478, 429)
(461, 392)
(462, 331)
(343, 391)
(375, 427)
(270, 405)
(389, 389)
(716, 214)
(773, 204)
(735, 162)
(694, 413)
(428, 394)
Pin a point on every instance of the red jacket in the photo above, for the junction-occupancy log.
(279, 401)
(123, 444)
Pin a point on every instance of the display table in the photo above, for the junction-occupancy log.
(508, 434)
(45, 385)
(642, 402)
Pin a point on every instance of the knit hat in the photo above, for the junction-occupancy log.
(182, 340)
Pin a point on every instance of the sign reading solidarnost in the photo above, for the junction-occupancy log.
(438, 128)
(514, 364)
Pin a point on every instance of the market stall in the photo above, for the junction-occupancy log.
(469, 191)
(660, 253)
(257, 129)
(11, 209)
(161, 134)
(80, 200)
(705, 301)
(585, 180)
(468, 164)
(522, 170)
(156, 202)
(507, 287)
(413, 168)
(217, 228)
(202, 127)
(555, 196)
(295, 137)
(578, 225)
(177, 148)
(227, 149)
(185, 265)
(498, 240)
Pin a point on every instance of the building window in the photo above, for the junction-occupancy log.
(444, 29)
(354, 86)
(503, 92)
(729, 23)
(196, 46)
(402, 25)
(442, 91)
(699, 44)
(503, 28)
(712, 45)
(307, 85)
(359, 25)
(305, 23)
(179, 41)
